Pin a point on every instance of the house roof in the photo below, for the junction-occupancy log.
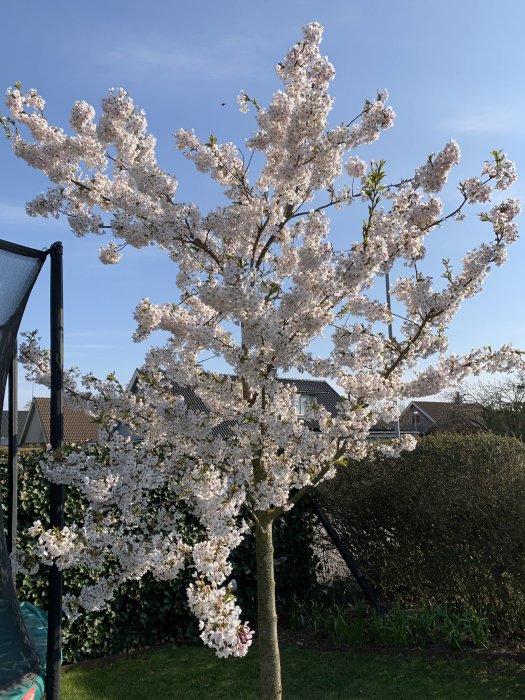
(79, 427)
(383, 426)
(190, 397)
(324, 394)
(4, 427)
(447, 413)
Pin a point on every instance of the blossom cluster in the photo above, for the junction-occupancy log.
(259, 280)
(219, 619)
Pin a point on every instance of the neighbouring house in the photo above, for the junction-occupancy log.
(78, 426)
(383, 430)
(4, 428)
(313, 391)
(309, 391)
(423, 417)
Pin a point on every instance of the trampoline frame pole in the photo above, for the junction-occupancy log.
(12, 456)
(56, 491)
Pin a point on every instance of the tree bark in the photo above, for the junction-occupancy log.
(269, 660)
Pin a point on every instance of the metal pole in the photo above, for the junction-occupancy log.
(397, 427)
(12, 479)
(387, 285)
(348, 558)
(56, 491)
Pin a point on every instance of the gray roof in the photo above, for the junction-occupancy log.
(191, 398)
(324, 394)
(446, 415)
(383, 426)
(4, 428)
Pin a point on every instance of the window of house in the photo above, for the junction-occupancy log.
(302, 401)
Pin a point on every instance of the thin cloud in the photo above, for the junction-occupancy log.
(487, 121)
(217, 60)
(87, 334)
(93, 346)
(14, 214)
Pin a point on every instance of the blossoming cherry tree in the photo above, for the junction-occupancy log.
(259, 279)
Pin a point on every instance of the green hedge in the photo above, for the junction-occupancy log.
(506, 420)
(149, 612)
(443, 525)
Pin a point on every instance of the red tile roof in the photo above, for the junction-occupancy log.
(78, 426)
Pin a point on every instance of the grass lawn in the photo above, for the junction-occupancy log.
(194, 673)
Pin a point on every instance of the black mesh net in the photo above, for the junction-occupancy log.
(19, 268)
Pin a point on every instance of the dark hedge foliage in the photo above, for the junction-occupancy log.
(506, 419)
(443, 525)
(148, 612)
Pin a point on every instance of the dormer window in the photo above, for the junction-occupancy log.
(302, 401)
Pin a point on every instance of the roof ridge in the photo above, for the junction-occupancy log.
(449, 403)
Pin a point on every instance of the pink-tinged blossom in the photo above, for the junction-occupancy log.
(219, 619)
(82, 115)
(502, 170)
(502, 218)
(355, 167)
(476, 191)
(432, 176)
(243, 101)
(110, 254)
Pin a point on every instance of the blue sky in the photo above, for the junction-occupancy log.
(453, 69)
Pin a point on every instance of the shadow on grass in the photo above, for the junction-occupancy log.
(192, 673)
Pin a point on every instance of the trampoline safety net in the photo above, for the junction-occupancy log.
(19, 268)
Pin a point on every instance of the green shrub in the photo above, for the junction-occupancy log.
(506, 419)
(441, 526)
(148, 612)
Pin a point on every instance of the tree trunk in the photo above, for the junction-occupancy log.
(269, 661)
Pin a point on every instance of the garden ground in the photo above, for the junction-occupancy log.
(193, 672)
